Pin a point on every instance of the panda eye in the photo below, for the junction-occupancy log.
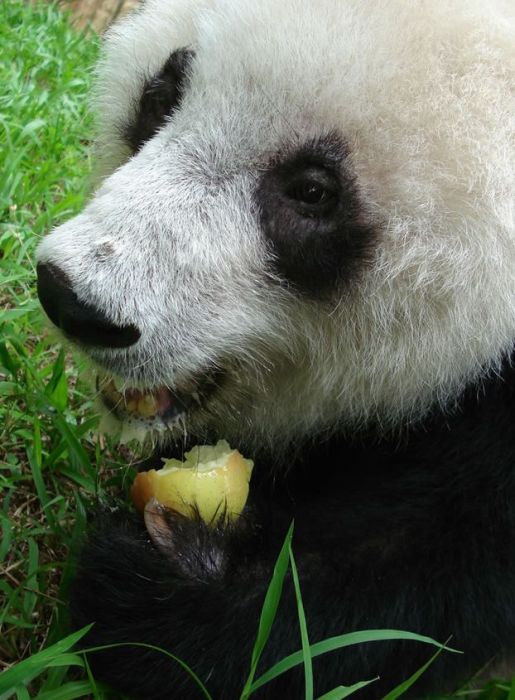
(317, 232)
(310, 192)
(314, 191)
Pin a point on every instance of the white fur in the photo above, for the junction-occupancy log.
(423, 94)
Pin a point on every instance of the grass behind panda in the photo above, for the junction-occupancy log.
(51, 466)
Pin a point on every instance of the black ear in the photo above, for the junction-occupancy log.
(160, 98)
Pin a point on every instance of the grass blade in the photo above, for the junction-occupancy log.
(76, 451)
(269, 610)
(7, 360)
(66, 659)
(405, 685)
(38, 447)
(306, 653)
(7, 535)
(57, 388)
(26, 670)
(39, 484)
(31, 582)
(343, 691)
(68, 691)
(22, 693)
(339, 642)
(91, 679)
(142, 645)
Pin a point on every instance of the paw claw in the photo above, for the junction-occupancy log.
(158, 525)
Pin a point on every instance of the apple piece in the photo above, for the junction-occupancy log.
(212, 479)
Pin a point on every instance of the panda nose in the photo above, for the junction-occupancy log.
(78, 320)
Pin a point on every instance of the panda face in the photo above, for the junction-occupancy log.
(309, 224)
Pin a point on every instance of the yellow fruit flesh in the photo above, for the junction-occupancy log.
(212, 480)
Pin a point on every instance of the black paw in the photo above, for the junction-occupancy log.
(177, 588)
(195, 549)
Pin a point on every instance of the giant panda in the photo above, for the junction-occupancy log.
(303, 241)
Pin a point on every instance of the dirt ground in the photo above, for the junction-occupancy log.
(98, 14)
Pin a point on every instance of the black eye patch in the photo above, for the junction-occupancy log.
(161, 96)
(312, 217)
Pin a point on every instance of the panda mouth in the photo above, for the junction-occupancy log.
(157, 407)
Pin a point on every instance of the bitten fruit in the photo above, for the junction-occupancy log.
(213, 480)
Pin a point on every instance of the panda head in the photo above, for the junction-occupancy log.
(306, 221)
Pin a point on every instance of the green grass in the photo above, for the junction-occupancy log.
(51, 466)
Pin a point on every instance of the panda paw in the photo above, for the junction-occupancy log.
(173, 583)
(194, 549)
(124, 549)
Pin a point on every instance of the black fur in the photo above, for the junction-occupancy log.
(160, 98)
(315, 244)
(415, 534)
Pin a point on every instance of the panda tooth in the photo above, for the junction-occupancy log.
(132, 405)
(147, 406)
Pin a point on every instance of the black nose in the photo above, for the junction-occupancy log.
(78, 320)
